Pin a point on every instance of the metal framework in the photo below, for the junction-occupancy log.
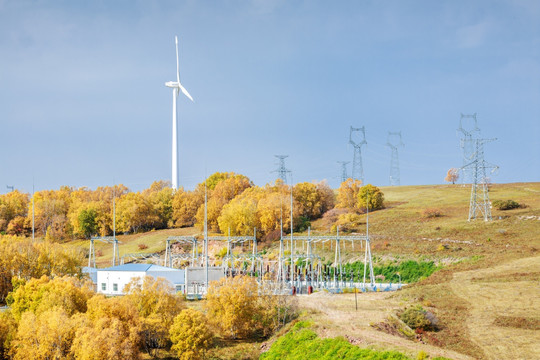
(344, 175)
(394, 160)
(467, 144)
(106, 239)
(306, 268)
(155, 258)
(479, 202)
(357, 168)
(282, 170)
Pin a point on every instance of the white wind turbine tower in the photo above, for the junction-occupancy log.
(177, 87)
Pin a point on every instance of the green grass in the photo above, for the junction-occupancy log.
(303, 343)
(410, 271)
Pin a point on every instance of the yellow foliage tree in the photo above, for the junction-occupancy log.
(185, 205)
(51, 212)
(233, 306)
(8, 329)
(45, 336)
(111, 329)
(371, 196)
(40, 295)
(12, 205)
(190, 335)
(157, 305)
(29, 258)
(348, 194)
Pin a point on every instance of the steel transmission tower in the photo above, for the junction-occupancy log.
(282, 170)
(357, 168)
(479, 191)
(394, 161)
(467, 145)
(344, 175)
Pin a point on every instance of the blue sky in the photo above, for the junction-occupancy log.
(83, 101)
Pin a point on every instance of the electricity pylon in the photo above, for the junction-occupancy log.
(344, 175)
(394, 161)
(357, 168)
(282, 170)
(479, 202)
(467, 145)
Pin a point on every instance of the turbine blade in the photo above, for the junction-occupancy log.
(185, 92)
(177, 63)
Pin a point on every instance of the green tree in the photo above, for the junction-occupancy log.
(88, 225)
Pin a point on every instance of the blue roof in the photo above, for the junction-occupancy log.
(139, 267)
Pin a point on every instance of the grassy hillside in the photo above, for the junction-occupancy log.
(485, 292)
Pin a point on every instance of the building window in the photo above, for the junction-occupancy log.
(103, 286)
(115, 287)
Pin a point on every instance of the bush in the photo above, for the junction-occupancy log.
(431, 213)
(418, 318)
(506, 204)
(303, 343)
(143, 246)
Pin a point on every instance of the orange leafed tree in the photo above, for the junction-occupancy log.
(452, 175)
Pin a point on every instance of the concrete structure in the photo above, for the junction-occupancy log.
(112, 280)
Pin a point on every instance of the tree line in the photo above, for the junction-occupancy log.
(235, 204)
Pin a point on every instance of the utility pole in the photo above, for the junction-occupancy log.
(394, 161)
(357, 169)
(344, 175)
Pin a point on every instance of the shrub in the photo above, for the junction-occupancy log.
(190, 335)
(431, 213)
(143, 246)
(418, 318)
(505, 204)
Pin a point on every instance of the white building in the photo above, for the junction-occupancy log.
(112, 280)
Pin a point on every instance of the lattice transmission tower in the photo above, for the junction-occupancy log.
(344, 175)
(467, 144)
(282, 170)
(394, 160)
(479, 202)
(357, 168)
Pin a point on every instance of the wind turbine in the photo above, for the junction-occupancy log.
(177, 87)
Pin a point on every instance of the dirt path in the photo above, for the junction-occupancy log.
(336, 316)
(492, 293)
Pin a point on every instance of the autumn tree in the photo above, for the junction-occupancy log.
(40, 295)
(233, 306)
(13, 205)
(48, 335)
(190, 335)
(110, 329)
(160, 196)
(8, 328)
(51, 213)
(225, 187)
(371, 196)
(452, 175)
(157, 305)
(185, 205)
(29, 258)
(348, 194)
